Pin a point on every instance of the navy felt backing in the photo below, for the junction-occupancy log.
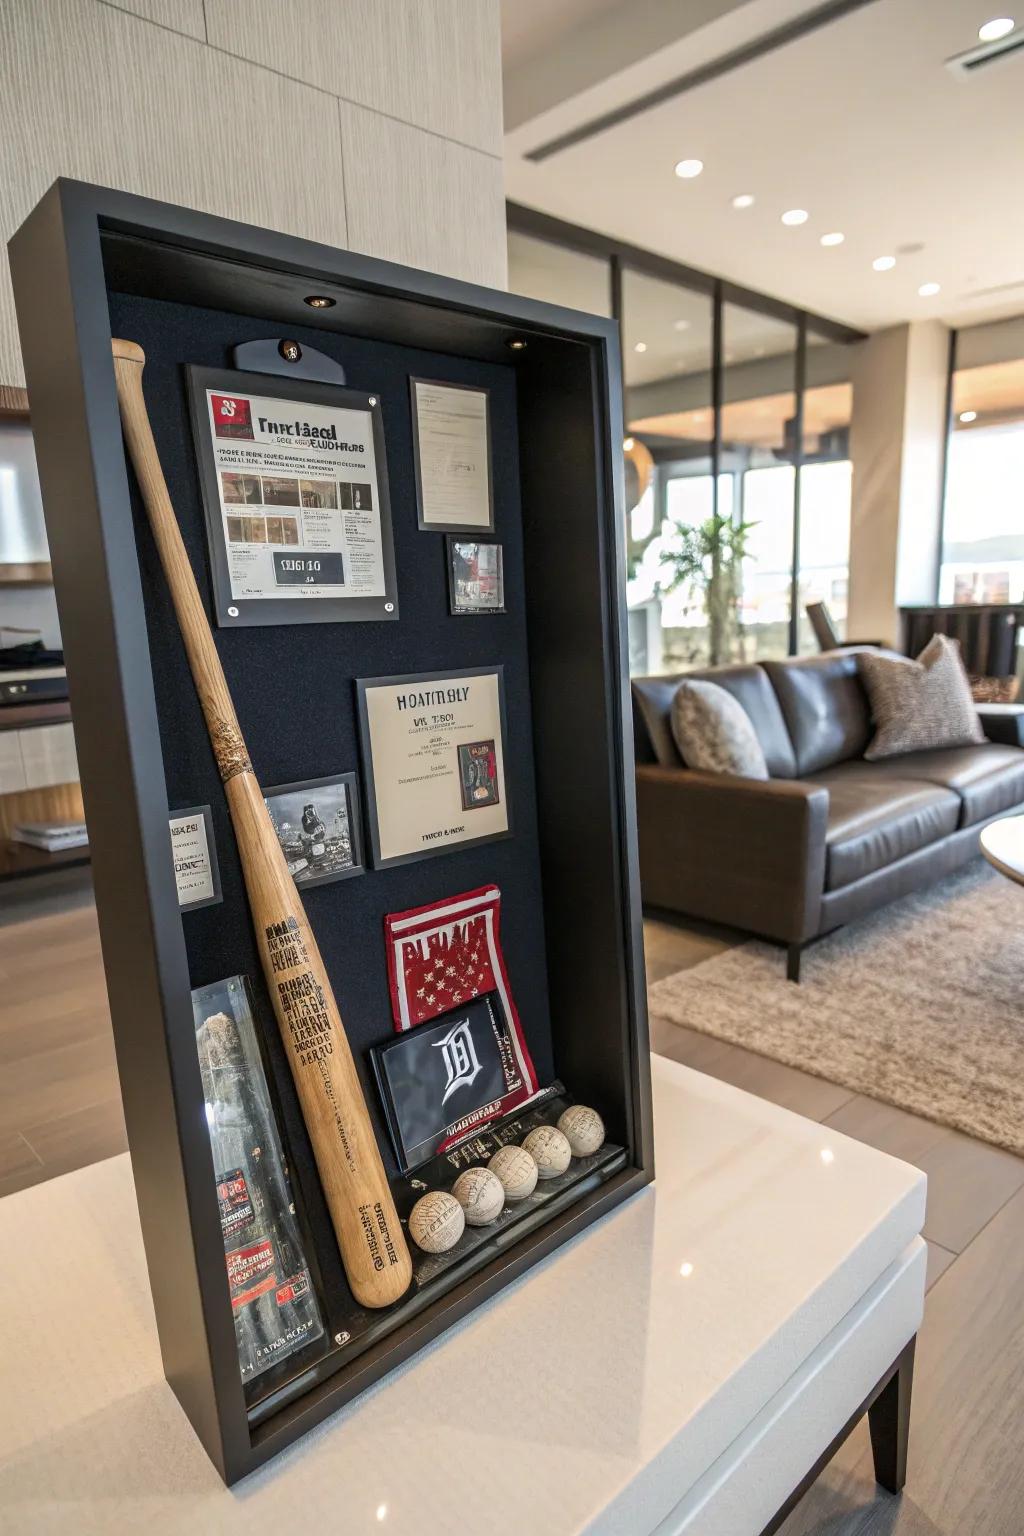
(293, 690)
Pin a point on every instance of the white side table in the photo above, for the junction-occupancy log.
(683, 1367)
(1002, 843)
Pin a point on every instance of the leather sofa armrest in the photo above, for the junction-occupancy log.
(1003, 723)
(747, 852)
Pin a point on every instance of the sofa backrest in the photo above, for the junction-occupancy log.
(825, 708)
(749, 686)
(808, 711)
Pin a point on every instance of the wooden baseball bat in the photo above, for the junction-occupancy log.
(373, 1247)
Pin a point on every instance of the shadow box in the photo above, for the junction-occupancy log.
(210, 299)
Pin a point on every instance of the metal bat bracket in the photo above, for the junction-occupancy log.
(283, 354)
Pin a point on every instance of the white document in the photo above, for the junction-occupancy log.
(193, 866)
(453, 456)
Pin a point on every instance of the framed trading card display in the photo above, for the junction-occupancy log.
(295, 489)
(440, 1082)
(195, 858)
(476, 575)
(452, 450)
(433, 748)
(317, 825)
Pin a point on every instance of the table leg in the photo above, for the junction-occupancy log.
(889, 1422)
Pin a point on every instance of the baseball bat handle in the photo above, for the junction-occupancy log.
(370, 1238)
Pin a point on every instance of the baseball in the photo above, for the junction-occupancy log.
(517, 1171)
(480, 1194)
(583, 1128)
(549, 1149)
(436, 1222)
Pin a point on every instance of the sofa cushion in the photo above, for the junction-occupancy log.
(988, 778)
(713, 731)
(919, 705)
(874, 820)
(749, 686)
(825, 707)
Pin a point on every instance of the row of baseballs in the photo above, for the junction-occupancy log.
(438, 1220)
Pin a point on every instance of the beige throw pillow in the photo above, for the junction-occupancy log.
(919, 705)
(713, 731)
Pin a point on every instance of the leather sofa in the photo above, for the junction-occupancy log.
(828, 837)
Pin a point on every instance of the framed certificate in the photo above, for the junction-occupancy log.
(452, 450)
(196, 873)
(295, 490)
(433, 747)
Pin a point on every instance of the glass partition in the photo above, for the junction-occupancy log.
(540, 269)
(983, 526)
(759, 356)
(735, 518)
(826, 484)
(667, 336)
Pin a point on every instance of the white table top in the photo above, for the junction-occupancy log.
(1002, 843)
(587, 1397)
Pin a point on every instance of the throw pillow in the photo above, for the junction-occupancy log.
(713, 731)
(919, 705)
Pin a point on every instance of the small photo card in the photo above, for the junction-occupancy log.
(317, 825)
(476, 577)
(195, 858)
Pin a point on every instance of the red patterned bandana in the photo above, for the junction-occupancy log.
(445, 955)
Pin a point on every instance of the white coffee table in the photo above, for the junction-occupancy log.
(1002, 843)
(683, 1367)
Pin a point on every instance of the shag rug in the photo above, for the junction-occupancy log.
(920, 1005)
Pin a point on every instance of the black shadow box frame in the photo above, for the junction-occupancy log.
(90, 263)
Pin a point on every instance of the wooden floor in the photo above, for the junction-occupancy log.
(60, 1106)
(60, 1109)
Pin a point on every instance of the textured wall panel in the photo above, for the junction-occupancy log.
(422, 200)
(180, 15)
(92, 92)
(434, 63)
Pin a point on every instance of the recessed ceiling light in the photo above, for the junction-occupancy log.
(641, 346)
(686, 170)
(998, 27)
(319, 301)
(884, 263)
(968, 416)
(928, 290)
(795, 216)
(681, 325)
(835, 238)
(744, 200)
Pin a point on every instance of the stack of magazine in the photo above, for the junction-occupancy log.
(52, 836)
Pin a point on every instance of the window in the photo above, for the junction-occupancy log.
(542, 270)
(675, 615)
(826, 487)
(722, 536)
(983, 524)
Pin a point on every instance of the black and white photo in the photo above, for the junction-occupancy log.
(317, 825)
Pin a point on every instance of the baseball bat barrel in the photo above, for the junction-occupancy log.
(370, 1238)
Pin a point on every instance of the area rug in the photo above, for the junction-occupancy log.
(920, 1005)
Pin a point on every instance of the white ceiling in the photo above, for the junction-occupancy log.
(528, 27)
(858, 122)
